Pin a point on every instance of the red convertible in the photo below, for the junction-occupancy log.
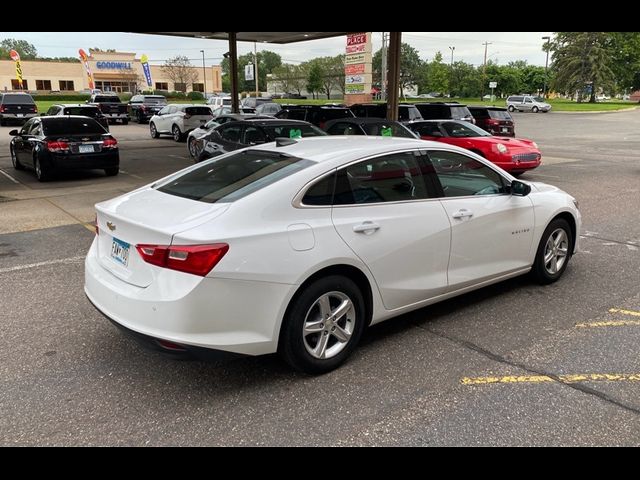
(515, 155)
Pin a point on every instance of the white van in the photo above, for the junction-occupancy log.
(527, 103)
(215, 102)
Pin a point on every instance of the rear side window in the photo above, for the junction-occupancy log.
(500, 114)
(231, 177)
(480, 112)
(293, 131)
(321, 193)
(71, 126)
(460, 112)
(198, 111)
(515, 99)
(433, 111)
(21, 99)
(406, 114)
(390, 129)
(298, 114)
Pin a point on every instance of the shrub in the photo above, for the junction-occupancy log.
(195, 95)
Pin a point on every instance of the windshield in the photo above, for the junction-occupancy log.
(293, 131)
(387, 129)
(86, 111)
(230, 177)
(463, 129)
(18, 99)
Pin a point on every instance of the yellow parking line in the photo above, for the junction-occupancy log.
(576, 378)
(633, 313)
(612, 323)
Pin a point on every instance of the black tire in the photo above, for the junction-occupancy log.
(153, 130)
(511, 108)
(125, 122)
(294, 345)
(42, 174)
(141, 119)
(544, 271)
(178, 136)
(193, 148)
(535, 109)
(111, 172)
(2, 122)
(14, 160)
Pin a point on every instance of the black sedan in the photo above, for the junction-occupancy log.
(235, 135)
(368, 126)
(80, 109)
(49, 144)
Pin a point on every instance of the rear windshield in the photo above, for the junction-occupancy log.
(71, 126)
(387, 130)
(460, 112)
(154, 100)
(86, 111)
(17, 99)
(293, 114)
(198, 111)
(500, 114)
(106, 99)
(226, 101)
(293, 131)
(230, 177)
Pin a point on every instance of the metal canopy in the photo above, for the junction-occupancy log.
(268, 37)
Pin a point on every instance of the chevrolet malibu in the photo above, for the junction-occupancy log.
(296, 246)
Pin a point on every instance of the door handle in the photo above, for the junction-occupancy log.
(462, 213)
(366, 227)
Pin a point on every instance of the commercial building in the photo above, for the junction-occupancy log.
(112, 72)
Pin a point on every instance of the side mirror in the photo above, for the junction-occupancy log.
(520, 189)
(13, 132)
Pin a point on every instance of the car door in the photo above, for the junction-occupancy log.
(254, 135)
(53, 110)
(385, 210)
(527, 104)
(224, 139)
(491, 230)
(162, 119)
(21, 145)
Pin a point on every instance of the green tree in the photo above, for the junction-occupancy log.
(465, 80)
(267, 62)
(332, 73)
(411, 67)
(625, 51)
(438, 75)
(26, 50)
(583, 63)
(314, 78)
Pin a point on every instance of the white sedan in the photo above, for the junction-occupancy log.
(296, 246)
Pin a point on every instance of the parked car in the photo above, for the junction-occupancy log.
(235, 117)
(407, 112)
(111, 107)
(16, 107)
(251, 131)
(91, 111)
(215, 102)
(318, 115)
(196, 133)
(527, 103)
(178, 120)
(495, 120)
(217, 112)
(269, 108)
(368, 126)
(297, 246)
(445, 110)
(143, 107)
(515, 155)
(253, 102)
(59, 143)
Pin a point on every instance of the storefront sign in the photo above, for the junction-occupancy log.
(355, 58)
(354, 69)
(113, 65)
(355, 88)
(357, 61)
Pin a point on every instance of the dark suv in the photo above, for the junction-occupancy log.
(407, 112)
(17, 107)
(143, 107)
(318, 115)
(495, 120)
(445, 111)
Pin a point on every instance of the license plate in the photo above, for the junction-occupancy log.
(120, 251)
(504, 129)
(85, 148)
(19, 114)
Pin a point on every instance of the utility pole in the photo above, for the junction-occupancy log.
(383, 82)
(484, 69)
(451, 80)
(255, 59)
(204, 76)
(546, 64)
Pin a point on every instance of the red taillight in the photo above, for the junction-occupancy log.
(57, 146)
(195, 259)
(35, 109)
(3, 109)
(109, 142)
(493, 122)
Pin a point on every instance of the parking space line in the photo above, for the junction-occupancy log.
(576, 378)
(633, 313)
(9, 177)
(42, 264)
(612, 323)
(131, 175)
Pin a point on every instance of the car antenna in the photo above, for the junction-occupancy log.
(284, 141)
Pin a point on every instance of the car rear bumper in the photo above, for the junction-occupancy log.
(229, 315)
(17, 116)
(84, 161)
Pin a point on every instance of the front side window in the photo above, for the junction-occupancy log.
(301, 130)
(391, 178)
(463, 130)
(387, 129)
(231, 133)
(230, 177)
(26, 127)
(462, 176)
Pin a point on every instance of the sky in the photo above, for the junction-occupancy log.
(468, 46)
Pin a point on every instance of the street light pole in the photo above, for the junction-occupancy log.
(484, 69)
(546, 64)
(204, 76)
(451, 80)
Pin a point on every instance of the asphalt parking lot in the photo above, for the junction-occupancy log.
(511, 364)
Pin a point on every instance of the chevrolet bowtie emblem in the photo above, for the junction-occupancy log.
(111, 226)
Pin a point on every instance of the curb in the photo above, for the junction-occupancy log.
(587, 112)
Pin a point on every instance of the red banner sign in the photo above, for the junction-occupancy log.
(356, 39)
(354, 69)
